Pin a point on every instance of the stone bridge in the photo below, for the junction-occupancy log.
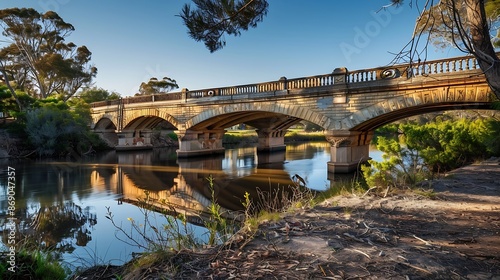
(348, 105)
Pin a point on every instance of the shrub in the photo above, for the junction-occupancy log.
(433, 147)
(54, 130)
(448, 144)
(33, 265)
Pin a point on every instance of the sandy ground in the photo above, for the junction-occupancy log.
(450, 230)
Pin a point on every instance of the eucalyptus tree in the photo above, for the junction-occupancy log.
(155, 86)
(35, 57)
(470, 25)
(95, 94)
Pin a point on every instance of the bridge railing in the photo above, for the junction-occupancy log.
(444, 66)
(441, 66)
(308, 82)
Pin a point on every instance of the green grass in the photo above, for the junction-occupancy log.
(239, 136)
(33, 265)
(292, 135)
(298, 135)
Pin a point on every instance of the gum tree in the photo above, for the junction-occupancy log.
(155, 86)
(35, 57)
(469, 25)
(95, 94)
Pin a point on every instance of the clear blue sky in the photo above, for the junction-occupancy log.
(132, 41)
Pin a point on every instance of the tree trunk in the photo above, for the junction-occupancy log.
(483, 49)
(7, 82)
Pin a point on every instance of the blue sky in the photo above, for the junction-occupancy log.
(132, 41)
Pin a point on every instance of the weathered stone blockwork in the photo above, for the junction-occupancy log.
(347, 105)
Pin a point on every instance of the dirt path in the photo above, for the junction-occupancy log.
(451, 233)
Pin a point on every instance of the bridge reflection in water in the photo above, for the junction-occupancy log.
(183, 183)
(46, 188)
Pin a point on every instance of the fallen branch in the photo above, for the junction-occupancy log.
(425, 241)
(353, 237)
(416, 267)
(361, 252)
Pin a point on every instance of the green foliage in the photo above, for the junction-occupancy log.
(97, 94)
(424, 149)
(239, 137)
(302, 136)
(211, 19)
(36, 56)
(449, 144)
(55, 129)
(7, 102)
(394, 169)
(155, 86)
(173, 136)
(218, 227)
(401, 167)
(388, 131)
(33, 265)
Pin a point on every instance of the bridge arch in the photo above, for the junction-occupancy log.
(244, 112)
(145, 122)
(131, 117)
(390, 110)
(106, 129)
(101, 118)
(104, 123)
(351, 136)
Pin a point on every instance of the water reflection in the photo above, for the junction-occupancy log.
(183, 183)
(48, 193)
(51, 225)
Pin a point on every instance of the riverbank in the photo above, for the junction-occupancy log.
(11, 147)
(447, 229)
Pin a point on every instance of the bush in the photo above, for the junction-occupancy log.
(33, 265)
(401, 166)
(448, 144)
(55, 130)
(433, 147)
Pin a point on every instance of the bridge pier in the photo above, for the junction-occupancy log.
(348, 150)
(267, 158)
(198, 143)
(271, 140)
(131, 138)
(125, 138)
(108, 135)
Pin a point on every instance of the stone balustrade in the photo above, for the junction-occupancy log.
(348, 105)
(441, 66)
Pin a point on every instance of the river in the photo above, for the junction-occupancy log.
(65, 203)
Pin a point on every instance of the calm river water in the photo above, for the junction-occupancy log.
(65, 204)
